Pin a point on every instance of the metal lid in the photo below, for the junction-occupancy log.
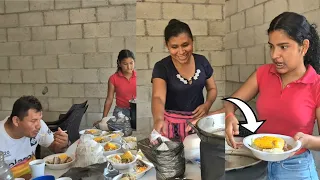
(239, 159)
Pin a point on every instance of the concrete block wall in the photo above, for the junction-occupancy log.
(69, 47)
(206, 20)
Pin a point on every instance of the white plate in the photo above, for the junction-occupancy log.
(106, 153)
(98, 130)
(267, 156)
(58, 166)
(150, 166)
(121, 166)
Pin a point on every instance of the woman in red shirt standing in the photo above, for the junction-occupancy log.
(123, 84)
(289, 94)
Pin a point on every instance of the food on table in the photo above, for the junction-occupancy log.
(61, 159)
(110, 147)
(94, 132)
(115, 135)
(270, 144)
(125, 158)
(101, 139)
(130, 139)
(128, 177)
(140, 166)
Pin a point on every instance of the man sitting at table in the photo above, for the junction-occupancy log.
(22, 131)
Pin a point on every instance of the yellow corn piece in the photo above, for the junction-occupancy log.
(269, 142)
(127, 155)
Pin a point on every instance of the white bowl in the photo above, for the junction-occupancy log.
(121, 166)
(106, 153)
(116, 139)
(100, 132)
(58, 166)
(106, 139)
(267, 156)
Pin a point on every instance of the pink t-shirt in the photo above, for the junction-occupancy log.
(125, 89)
(289, 110)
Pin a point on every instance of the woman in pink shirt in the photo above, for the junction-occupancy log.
(123, 84)
(289, 94)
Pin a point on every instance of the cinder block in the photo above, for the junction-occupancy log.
(83, 45)
(34, 76)
(260, 1)
(56, 17)
(221, 88)
(2, 6)
(52, 90)
(228, 57)
(105, 73)
(126, 28)
(112, 44)
(217, 28)
(93, 117)
(44, 103)
(155, 27)
(17, 6)
(3, 35)
(31, 19)
(267, 54)
(211, 12)
(22, 89)
(59, 104)
(95, 90)
(219, 73)
(198, 27)
(245, 4)
(96, 30)
(7, 103)
(131, 13)
(261, 34)
(232, 73)
(41, 5)
(69, 32)
(94, 3)
(85, 76)
(254, 16)
(94, 104)
(141, 61)
(5, 90)
(140, 27)
(4, 63)
(301, 6)
(72, 61)
(19, 34)
(9, 49)
(218, 58)
(144, 93)
(44, 33)
(71, 90)
(95, 60)
(155, 57)
(10, 76)
(59, 75)
(57, 47)
(20, 62)
(246, 71)
(121, 2)
(9, 20)
(231, 40)
(32, 48)
(150, 44)
(209, 43)
(113, 13)
(238, 21)
(239, 56)
(255, 55)
(144, 109)
(173, 10)
(63, 4)
(147, 10)
(50, 116)
(274, 8)
(83, 15)
(145, 77)
(246, 37)
(130, 43)
(192, 1)
(231, 7)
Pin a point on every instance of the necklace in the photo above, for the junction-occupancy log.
(189, 81)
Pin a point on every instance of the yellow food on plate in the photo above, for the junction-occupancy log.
(113, 136)
(110, 147)
(269, 144)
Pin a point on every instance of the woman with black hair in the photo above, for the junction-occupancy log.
(177, 84)
(123, 84)
(289, 94)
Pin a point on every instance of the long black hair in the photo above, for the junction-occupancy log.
(299, 29)
(123, 54)
(175, 28)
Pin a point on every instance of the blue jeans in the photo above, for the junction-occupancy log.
(298, 167)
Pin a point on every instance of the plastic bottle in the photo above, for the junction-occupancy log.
(5, 172)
